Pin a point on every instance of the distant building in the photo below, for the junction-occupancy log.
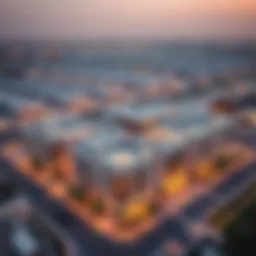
(52, 141)
(224, 106)
(21, 108)
(136, 117)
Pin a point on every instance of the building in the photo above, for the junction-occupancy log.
(89, 153)
(118, 168)
(23, 109)
(52, 141)
(136, 117)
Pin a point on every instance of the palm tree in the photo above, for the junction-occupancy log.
(154, 207)
(37, 163)
(77, 193)
(97, 205)
(222, 162)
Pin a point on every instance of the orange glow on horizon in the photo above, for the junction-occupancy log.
(79, 18)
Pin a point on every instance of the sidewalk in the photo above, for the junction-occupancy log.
(106, 225)
(58, 190)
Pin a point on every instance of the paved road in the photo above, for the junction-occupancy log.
(236, 181)
(92, 244)
(198, 208)
(89, 242)
(247, 136)
(7, 136)
(249, 139)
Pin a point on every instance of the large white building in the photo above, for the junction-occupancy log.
(121, 165)
(54, 139)
(108, 158)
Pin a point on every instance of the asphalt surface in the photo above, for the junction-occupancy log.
(90, 243)
(231, 186)
(7, 136)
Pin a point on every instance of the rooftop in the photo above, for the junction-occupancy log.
(195, 124)
(61, 128)
(141, 112)
(16, 103)
(129, 155)
(118, 152)
(103, 137)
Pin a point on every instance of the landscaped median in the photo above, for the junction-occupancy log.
(135, 218)
(125, 226)
(224, 162)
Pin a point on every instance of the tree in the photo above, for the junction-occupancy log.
(77, 193)
(222, 162)
(97, 206)
(37, 163)
(154, 207)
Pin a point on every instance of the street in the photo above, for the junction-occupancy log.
(90, 243)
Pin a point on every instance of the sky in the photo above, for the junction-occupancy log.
(154, 19)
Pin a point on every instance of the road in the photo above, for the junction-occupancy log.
(89, 242)
(227, 188)
(92, 244)
(7, 136)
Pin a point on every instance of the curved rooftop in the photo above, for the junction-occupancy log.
(60, 128)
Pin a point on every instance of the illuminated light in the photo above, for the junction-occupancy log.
(136, 209)
(122, 159)
(175, 183)
(162, 134)
(205, 170)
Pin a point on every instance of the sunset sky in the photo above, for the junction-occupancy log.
(167, 19)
